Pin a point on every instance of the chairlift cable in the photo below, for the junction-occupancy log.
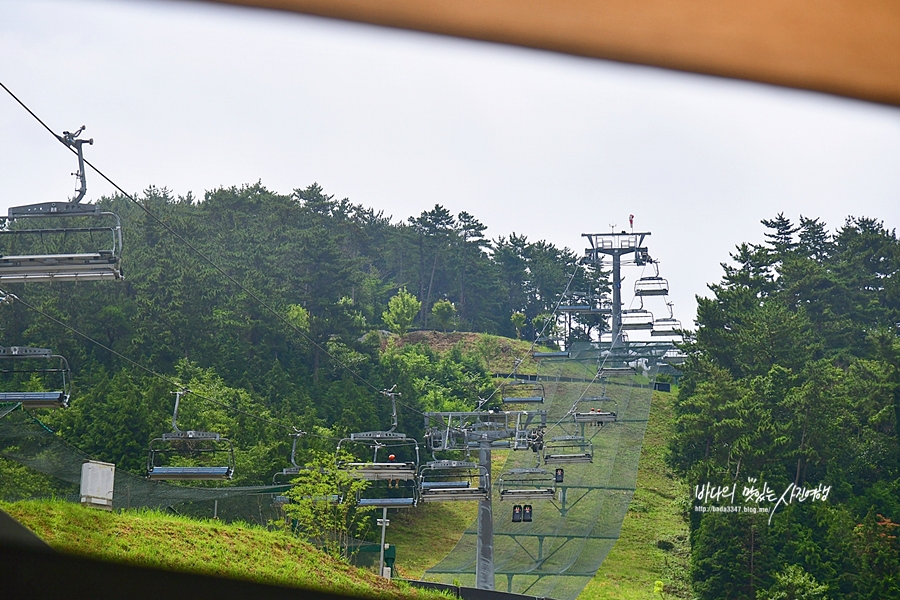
(196, 251)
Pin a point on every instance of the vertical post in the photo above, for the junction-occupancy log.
(215, 509)
(484, 562)
(384, 522)
(616, 299)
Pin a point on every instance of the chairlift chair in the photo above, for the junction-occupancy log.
(574, 308)
(196, 444)
(637, 319)
(453, 480)
(666, 328)
(294, 469)
(597, 417)
(522, 392)
(568, 449)
(651, 286)
(71, 264)
(527, 484)
(26, 354)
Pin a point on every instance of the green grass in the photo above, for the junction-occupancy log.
(654, 519)
(155, 539)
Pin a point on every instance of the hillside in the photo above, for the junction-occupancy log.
(151, 538)
(652, 546)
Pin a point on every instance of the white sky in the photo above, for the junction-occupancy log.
(194, 96)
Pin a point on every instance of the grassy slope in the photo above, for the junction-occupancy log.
(426, 535)
(422, 536)
(151, 538)
(636, 562)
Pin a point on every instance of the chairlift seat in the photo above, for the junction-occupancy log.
(522, 392)
(91, 266)
(393, 436)
(435, 485)
(616, 370)
(523, 400)
(568, 449)
(452, 494)
(36, 399)
(190, 473)
(574, 308)
(651, 286)
(387, 502)
(191, 435)
(581, 457)
(383, 471)
(595, 417)
(528, 494)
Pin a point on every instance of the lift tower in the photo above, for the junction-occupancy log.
(617, 245)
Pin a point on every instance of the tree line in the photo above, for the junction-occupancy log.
(334, 273)
(793, 380)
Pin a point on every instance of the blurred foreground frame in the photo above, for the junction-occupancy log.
(844, 47)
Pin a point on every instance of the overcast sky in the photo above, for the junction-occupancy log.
(194, 96)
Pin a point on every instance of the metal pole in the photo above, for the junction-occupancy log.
(484, 562)
(616, 299)
(384, 521)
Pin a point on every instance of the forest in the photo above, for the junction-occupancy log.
(791, 379)
(284, 327)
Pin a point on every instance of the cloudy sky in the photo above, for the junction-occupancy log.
(193, 97)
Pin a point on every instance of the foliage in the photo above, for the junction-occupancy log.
(793, 378)
(324, 505)
(442, 314)
(402, 309)
(518, 321)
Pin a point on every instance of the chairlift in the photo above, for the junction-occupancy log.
(527, 484)
(637, 319)
(81, 262)
(200, 445)
(666, 328)
(453, 480)
(574, 308)
(294, 469)
(595, 416)
(401, 476)
(522, 392)
(29, 358)
(568, 449)
(651, 286)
